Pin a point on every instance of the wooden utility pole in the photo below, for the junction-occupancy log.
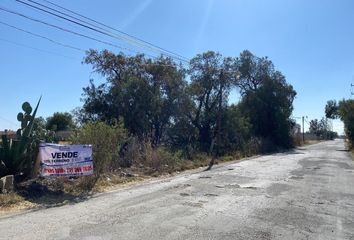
(303, 129)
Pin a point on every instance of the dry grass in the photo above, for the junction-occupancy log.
(58, 191)
(13, 202)
(311, 142)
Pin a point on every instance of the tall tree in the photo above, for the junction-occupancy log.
(315, 127)
(346, 113)
(331, 109)
(145, 92)
(253, 71)
(267, 99)
(60, 121)
(212, 77)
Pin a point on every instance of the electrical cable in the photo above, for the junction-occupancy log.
(99, 30)
(36, 49)
(66, 30)
(43, 37)
(114, 29)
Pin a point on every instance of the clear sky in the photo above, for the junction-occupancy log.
(310, 42)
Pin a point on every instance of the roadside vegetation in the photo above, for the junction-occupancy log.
(322, 129)
(155, 116)
(344, 110)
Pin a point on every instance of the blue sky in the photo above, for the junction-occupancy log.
(310, 42)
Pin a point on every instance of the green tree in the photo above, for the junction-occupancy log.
(237, 130)
(267, 100)
(331, 109)
(212, 78)
(157, 103)
(320, 128)
(60, 121)
(145, 92)
(346, 113)
(315, 127)
(253, 71)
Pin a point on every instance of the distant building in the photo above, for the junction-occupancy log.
(9, 133)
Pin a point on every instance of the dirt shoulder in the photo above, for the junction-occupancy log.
(53, 192)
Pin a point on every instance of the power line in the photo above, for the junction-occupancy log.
(61, 44)
(64, 29)
(11, 122)
(67, 19)
(114, 29)
(36, 49)
(52, 9)
(55, 15)
(139, 42)
(43, 37)
(58, 20)
(58, 54)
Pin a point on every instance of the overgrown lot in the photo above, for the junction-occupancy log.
(152, 117)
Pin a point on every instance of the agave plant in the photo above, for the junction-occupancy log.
(17, 155)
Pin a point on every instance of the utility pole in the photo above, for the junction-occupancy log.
(303, 129)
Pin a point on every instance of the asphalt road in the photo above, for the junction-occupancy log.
(304, 194)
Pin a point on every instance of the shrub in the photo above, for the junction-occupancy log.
(346, 113)
(253, 146)
(157, 159)
(130, 153)
(106, 142)
(297, 140)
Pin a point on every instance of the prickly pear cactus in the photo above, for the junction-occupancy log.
(16, 155)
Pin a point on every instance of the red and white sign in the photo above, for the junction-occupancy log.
(65, 160)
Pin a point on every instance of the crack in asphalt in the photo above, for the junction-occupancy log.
(305, 193)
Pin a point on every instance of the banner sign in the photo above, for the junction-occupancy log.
(65, 160)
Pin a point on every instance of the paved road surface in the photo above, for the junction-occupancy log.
(304, 194)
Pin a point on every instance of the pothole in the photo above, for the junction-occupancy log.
(250, 187)
(296, 177)
(184, 194)
(192, 204)
(211, 195)
(204, 177)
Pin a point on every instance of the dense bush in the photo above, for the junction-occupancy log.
(157, 159)
(106, 142)
(345, 111)
(236, 131)
(130, 153)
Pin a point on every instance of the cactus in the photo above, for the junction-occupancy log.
(16, 155)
